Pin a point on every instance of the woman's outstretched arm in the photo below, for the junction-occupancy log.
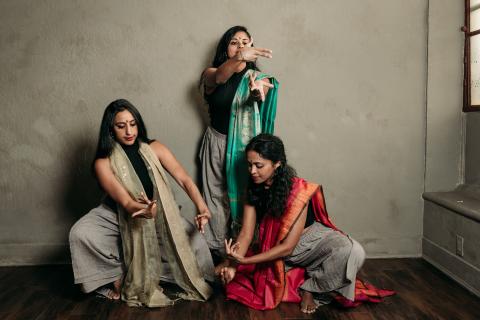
(175, 169)
(212, 77)
(281, 250)
(228, 268)
(245, 236)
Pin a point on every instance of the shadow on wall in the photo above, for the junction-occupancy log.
(200, 107)
(81, 190)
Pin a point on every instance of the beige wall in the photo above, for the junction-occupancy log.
(351, 105)
(445, 122)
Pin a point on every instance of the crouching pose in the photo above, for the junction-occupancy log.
(300, 256)
(136, 237)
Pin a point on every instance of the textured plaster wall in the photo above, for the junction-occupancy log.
(351, 106)
(444, 134)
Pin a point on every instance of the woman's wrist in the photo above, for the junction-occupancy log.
(202, 210)
(240, 56)
(233, 263)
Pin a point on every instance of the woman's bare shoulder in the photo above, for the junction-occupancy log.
(159, 148)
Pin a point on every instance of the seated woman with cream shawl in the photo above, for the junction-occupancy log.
(136, 237)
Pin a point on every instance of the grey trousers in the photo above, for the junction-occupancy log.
(96, 250)
(330, 258)
(214, 188)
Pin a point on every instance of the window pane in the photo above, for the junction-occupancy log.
(475, 53)
(475, 70)
(474, 15)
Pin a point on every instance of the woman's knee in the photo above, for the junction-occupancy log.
(78, 233)
(358, 253)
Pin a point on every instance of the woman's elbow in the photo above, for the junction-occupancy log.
(220, 79)
(287, 251)
(186, 183)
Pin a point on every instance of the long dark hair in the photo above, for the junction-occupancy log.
(274, 199)
(106, 138)
(221, 52)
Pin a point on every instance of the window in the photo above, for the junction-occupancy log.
(471, 83)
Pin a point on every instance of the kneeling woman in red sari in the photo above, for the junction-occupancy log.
(300, 255)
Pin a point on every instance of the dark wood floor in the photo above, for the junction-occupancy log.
(46, 292)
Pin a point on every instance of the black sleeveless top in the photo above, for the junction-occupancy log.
(220, 102)
(140, 168)
(310, 215)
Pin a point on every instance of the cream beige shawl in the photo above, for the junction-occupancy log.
(141, 237)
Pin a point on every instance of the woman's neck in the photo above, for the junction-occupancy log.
(131, 147)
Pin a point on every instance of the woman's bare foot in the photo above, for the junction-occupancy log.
(107, 293)
(117, 288)
(308, 305)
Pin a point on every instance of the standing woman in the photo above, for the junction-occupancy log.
(301, 256)
(139, 214)
(242, 103)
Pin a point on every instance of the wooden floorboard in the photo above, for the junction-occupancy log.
(423, 292)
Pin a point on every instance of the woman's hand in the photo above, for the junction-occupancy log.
(249, 53)
(258, 88)
(202, 219)
(150, 210)
(232, 251)
(227, 274)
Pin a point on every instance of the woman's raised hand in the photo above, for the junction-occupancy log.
(202, 219)
(249, 53)
(232, 251)
(257, 87)
(150, 209)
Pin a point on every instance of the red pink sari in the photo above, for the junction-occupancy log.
(263, 286)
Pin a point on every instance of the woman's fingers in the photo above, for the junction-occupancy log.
(228, 246)
(252, 53)
(201, 220)
(145, 198)
(148, 212)
(252, 79)
(263, 52)
(139, 214)
(267, 84)
(224, 276)
(201, 225)
(227, 249)
(235, 247)
(136, 213)
(203, 215)
(262, 95)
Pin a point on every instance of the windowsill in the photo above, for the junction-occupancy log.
(464, 200)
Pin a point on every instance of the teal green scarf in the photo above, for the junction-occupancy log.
(247, 119)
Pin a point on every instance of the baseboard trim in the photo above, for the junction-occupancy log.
(59, 253)
(394, 256)
(32, 254)
(444, 257)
